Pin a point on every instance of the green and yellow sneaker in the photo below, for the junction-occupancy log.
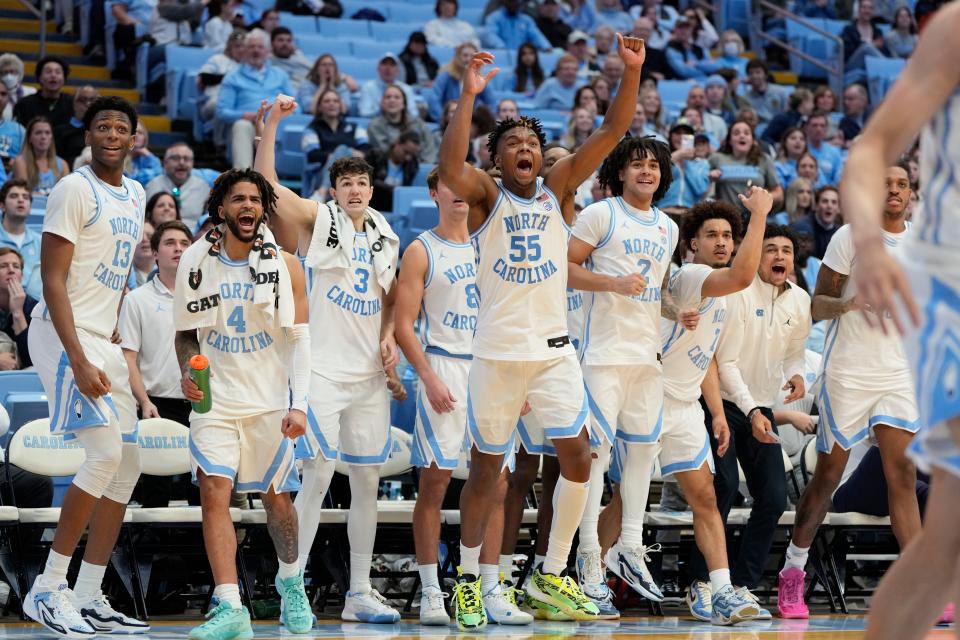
(562, 592)
(224, 623)
(542, 610)
(468, 603)
(511, 593)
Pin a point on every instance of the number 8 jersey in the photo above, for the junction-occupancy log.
(448, 314)
(522, 277)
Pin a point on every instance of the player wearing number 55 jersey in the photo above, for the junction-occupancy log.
(350, 254)
(522, 350)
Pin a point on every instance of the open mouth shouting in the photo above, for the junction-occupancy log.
(524, 167)
(247, 223)
(779, 270)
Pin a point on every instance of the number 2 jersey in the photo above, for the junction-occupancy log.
(105, 224)
(522, 278)
(623, 329)
(448, 314)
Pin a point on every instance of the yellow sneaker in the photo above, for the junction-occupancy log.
(468, 602)
(562, 592)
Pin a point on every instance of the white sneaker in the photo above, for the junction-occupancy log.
(433, 611)
(53, 609)
(631, 566)
(501, 610)
(368, 607)
(105, 619)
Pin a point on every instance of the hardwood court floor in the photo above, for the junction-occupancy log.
(667, 628)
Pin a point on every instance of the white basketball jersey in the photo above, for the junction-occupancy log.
(854, 353)
(687, 354)
(522, 278)
(625, 329)
(575, 311)
(247, 348)
(448, 314)
(345, 318)
(938, 216)
(105, 224)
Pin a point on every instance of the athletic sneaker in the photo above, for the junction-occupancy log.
(295, 611)
(468, 603)
(514, 595)
(54, 609)
(730, 607)
(700, 600)
(105, 619)
(433, 611)
(501, 609)
(745, 593)
(790, 594)
(224, 623)
(543, 610)
(593, 581)
(368, 607)
(631, 566)
(562, 592)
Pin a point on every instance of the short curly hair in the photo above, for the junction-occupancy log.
(223, 184)
(625, 152)
(493, 139)
(697, 215)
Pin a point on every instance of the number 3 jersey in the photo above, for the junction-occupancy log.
(105, 224)
(522, 277)
(448, 314)
(623, 329)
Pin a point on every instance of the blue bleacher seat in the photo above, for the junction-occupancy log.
(443, 55)
(472, 15)
(300, 25)
(24, 406)
(421, 179)
(674, 92)
(881, 74)
(813, 44)
(424, 215)
(735, 14)
(403, 197)
(182, 66)
(314, 45)
(290, 158)
(19, 381)
(344, 28)
(361, 69)
(408, 12)
(393, 30)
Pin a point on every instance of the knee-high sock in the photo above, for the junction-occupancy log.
(635, 489)
(569, 498)
(589, 539)
(317, 474)
(362, 524)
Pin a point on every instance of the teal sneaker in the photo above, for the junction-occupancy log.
(224, 623)
(295, 612)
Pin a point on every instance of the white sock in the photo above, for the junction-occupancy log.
(55, 571)
(360, 572)
(589, 538)
(489, 577)
(229, 593)
(637, 466)
(89, 581)
(506, 566)
(796, 557)
(288, 570)
(428, 575)
(719, 578)
(470, 559)
(569, 499)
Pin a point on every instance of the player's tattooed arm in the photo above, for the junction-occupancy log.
(670, 310)
(187, 345)
(827, 297)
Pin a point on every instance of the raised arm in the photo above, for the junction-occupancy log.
(465, 180)
(932, 72)
(739, 275)
(291, 208)
(570, 172)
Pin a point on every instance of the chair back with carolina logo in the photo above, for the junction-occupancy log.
(34, 449)
(164, 447)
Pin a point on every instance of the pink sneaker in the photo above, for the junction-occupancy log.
(947, 616)
(790, 595)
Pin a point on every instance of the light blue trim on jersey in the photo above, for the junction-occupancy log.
(438, 458)
(647, 223)
(633, 438)
(690, 465)
(585, 341)
(96, 195)
(233, 263)
(579, 423)
(936, 359)
(264, 483)
(608, 431)
(612, 227)
(437, 351)
(70, 391)
(526, 441)
(672, 338)
(478, 441)
(208, 467)
(430, 262)
(377, 458)
(615, 471)
(304, 448)
(436, 236)
(486, 223)
(124, 182)
(291, 482)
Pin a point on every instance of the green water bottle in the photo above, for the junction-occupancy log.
(200, 373)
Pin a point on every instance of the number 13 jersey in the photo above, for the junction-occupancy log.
(522, 278)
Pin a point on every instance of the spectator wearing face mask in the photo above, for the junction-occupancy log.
(11, 76)
(731, 48)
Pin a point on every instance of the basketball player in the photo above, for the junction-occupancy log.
(628, 243)
(350, 253)
(913, 592)
(709, 229)
(437, 289)
(522, 351)
(866, 389)
(244, 307)
(93, 222)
